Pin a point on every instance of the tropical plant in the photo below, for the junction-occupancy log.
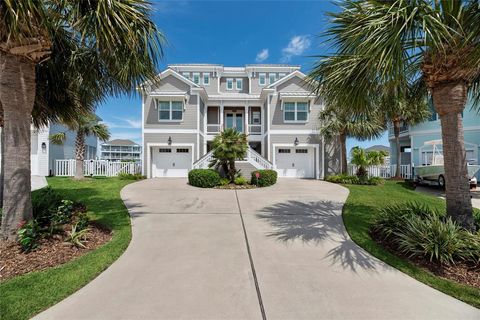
(77, 236)
(84, 126)
(29, 235)
(240, 181)
(362, 159)
(340, 121)
(228, 146)
(68, 52)
(400, 42)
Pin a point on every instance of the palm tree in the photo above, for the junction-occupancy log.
(84, 126)
(118, 43)
(339, 121)
(228, 146)
(362, 159)
(438, 42)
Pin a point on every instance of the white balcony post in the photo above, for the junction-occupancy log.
(246, 118)
(221, 116)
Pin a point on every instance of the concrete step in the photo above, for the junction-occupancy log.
(246, 168)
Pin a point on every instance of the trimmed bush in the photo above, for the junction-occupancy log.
(129, 176)
(265, 178)
(204, 178)
(347, 179)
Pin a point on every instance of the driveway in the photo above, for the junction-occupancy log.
(280, 252)
(440, 193)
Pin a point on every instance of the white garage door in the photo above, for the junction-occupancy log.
(295, 162)
(171, 162)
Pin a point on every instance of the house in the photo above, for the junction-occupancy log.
(120, 149)
(412, 139)
(190, 104)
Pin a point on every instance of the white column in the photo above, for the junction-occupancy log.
(246, 117)
(221, 116)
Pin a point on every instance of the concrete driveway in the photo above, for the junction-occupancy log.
(440, 193)
(280, 252)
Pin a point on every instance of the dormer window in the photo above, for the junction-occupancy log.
(295, 111)
(229, 84)
(196, 78)
(239, 84)
(272, 77)
(262, 79)
(206, 79)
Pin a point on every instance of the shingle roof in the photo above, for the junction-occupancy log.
(121, 142)
(378, 147)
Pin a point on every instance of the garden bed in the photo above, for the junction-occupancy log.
(51, 252)
(232, 186)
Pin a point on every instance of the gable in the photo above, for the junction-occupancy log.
(294, 84)
(171, 83)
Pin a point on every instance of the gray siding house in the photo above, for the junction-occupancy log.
(191, 103)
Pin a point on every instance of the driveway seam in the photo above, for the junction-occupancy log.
(252, 266)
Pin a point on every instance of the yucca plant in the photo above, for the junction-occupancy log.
(77, 236)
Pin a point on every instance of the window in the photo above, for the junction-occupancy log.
(256, 117)
(206, 79)
(239, 84)
(262, 79)
(170, 110)
(301, 150)
(182, 150)
(186, 75)
(229, 84)
(295, 111)
(196, 78)
(272, 77)
(165, 150)
(283, 150)
(281, 75)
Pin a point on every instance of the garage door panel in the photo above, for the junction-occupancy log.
(295, 162)
(171, 161)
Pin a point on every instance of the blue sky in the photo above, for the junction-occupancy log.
(232, 33)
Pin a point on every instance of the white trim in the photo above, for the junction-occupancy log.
(268, 127)
(142, 151)
(295, 111)
(323, 158)
(155, 144)
(226, 84)
(300, 145)
(155, 130)
(157, 104)
(198, 126)
(264, 76)
(167, 72)
(239, 81)
(309, 132)
(295, 73)
(186, 74)
(203, 78)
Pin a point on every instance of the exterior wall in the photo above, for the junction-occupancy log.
(223, 85)
(189, 115)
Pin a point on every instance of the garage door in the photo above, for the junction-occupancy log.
(171, 162)
(295, 162)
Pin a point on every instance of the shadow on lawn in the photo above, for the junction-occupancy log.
(318, 223)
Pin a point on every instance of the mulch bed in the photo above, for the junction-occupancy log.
(467, 274)
(234, 186)
(51, 252)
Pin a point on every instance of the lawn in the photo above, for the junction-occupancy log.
(24, 296)
(359, 212)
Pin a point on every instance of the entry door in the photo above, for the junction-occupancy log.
(234, 120)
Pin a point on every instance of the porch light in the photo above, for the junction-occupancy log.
(296, 141)
(169, 140)
(44, 147)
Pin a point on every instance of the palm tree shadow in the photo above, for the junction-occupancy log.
(317, 223)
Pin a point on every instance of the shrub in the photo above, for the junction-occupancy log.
(77, 236)
(29, 235)
(81, 220)
(347, 179)
(129, 176)
(45, 203)
(224, 182)
(204, 178)
(264, 178)
(375, 181)
(64, 212)
(241, 181)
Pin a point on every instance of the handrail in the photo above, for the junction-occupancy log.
(200, 163)
(255, 158)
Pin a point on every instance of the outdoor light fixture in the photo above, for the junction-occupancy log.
(169, 140)
(44, 147)
(296, 142)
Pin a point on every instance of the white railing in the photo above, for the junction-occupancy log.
(257, 160)
(255, 129)
(95, 168)
(213, 128)
(384, 171)
(204, 161)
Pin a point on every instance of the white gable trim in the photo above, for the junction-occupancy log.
(295, 73)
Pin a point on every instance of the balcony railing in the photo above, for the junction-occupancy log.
(255, 129)
(213, 128)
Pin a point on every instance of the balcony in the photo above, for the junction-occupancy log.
(243, 119)
(403, 129)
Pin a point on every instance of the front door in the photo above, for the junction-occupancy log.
(234, 120)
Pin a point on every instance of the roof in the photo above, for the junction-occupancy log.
(120, 142)
(378, 147)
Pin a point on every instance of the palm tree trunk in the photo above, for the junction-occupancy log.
(398, 152)
(79, 155)
(343, 145)
(17, 95)
(449, 100)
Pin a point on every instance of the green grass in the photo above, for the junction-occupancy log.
(24, 296)
(359, 213)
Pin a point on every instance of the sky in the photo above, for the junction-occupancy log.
(232, 33)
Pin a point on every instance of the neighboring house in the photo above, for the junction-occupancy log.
(379, 147)
(191, 103)
(412, 139)
(44, 153)
(120, 149)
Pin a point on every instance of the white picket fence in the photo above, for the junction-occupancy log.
(384, 171)
(96, 168)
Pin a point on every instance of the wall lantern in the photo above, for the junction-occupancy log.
(169, 140)
(296, 142)
(44, 147)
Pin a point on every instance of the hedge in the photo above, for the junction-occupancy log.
(265, 178)
(204, 178)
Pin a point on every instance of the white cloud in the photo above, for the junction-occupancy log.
(262, 55)
(124, 123)
(137, 124)
(296, 47)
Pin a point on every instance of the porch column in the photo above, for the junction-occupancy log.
(246, 118)
(221, 116)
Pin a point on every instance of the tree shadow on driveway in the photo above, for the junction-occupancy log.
(318, 223)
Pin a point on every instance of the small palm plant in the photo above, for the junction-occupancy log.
(229, 146)
(84, 126)
(362, 159)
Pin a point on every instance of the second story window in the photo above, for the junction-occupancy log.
(229, 84)
(272, 77)
(239, 84)
(186, 75)
(256, 117)
(262, 79)
(196, 78)
(295, 112)
(206, 79)
(281, 75)
(170, 110)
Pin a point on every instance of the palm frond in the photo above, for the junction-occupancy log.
(58, 138)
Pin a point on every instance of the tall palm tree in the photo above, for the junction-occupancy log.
(228, 147)
(362, 159)
(403, 41)
(341, 122)
(117, 40)
(84, 126)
